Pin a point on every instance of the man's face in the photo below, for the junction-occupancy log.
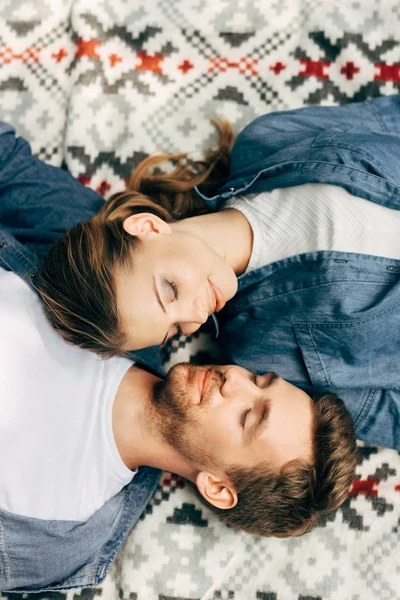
(224, 416)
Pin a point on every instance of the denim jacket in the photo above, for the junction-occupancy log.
(326, 320)
(37, 203)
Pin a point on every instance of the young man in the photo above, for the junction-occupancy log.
(77, 431)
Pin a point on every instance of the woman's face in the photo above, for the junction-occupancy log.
(175, 283)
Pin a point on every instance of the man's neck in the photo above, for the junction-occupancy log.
(136, 439)
(227, 232)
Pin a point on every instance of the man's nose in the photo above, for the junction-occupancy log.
(236, 384)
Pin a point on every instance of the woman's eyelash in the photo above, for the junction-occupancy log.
(174, 289)
(243, 417)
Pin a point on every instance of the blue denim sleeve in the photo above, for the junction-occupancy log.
(376, 415)
(34, 195)
(275, 133)
(380, 423)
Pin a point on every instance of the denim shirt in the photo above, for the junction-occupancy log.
(37, 203)
(326, 320)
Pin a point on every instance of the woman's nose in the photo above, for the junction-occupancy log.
(192, 315)
(200, 311)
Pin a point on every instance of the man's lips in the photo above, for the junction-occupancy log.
(219, 298)
(202, 381)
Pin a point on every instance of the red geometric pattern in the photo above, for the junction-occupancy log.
(387, 72)
(365, 487)
(246, 65)
(8, 55)
(149, 63)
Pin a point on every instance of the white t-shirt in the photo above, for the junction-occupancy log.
(313, 217)
(59, 459)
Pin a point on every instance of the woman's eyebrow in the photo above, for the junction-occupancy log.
(160, 302)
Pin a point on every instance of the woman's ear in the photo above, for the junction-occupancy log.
(216, 490)
(142, 223)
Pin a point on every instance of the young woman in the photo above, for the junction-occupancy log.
(141, 271)
(147, 266)
(308, 217)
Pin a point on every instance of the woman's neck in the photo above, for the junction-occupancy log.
(227, 232)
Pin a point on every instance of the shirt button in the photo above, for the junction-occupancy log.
(231, 189)
(32, 275)
(3, 245)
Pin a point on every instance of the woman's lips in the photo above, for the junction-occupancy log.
(218, 296)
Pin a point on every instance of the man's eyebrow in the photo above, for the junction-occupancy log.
(256, 429)
(160, 302)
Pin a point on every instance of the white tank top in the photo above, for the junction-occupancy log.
(59, 459)
(316, 216)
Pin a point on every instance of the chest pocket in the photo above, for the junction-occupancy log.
(360, 353)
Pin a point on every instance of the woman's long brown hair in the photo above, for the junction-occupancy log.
(77, 284)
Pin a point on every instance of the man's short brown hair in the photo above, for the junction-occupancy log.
(288, 503)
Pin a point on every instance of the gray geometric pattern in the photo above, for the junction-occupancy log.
(96, 87)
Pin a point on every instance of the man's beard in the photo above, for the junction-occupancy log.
(172, 417)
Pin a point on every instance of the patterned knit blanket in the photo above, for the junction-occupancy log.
(96, 86)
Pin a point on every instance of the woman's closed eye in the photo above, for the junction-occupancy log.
(173, 291)
(171, 295)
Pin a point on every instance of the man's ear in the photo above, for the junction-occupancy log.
(142, 223)
(217, 490)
